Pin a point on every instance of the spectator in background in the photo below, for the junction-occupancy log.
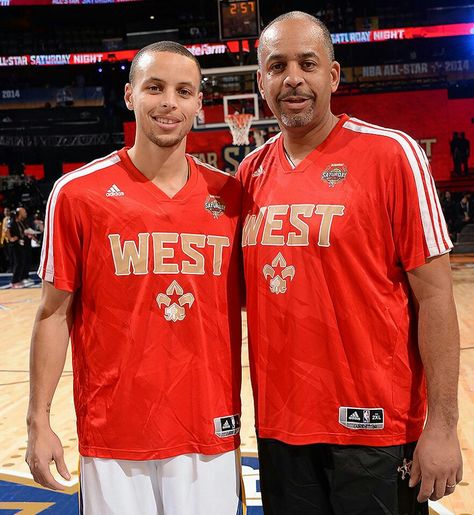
(37, 240)
(464, 210)
(448, 206)
(455, 153)
(5, 260)
(464, 149)
(19, 238)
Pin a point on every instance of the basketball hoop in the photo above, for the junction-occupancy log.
(239, 125)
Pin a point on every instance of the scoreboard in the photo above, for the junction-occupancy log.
(239, 19)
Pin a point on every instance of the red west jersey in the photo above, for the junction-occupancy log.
(332, 331)
(156, 336)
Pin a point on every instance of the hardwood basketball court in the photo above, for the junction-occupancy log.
(17, 311)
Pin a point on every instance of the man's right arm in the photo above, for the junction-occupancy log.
(47, 357)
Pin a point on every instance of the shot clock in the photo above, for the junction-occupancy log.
(239, 19)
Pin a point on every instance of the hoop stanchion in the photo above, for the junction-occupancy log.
(239, 125)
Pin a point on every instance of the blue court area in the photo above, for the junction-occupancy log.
(19, 495)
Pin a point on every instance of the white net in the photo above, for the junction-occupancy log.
(239, 125)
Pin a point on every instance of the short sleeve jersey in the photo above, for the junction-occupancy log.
(156, 335)
(327, 244)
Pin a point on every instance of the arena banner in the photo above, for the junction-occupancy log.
(375, 36)
(33, 98)
(197, 49)
(428, 116)
(436, 70)
(212, 48)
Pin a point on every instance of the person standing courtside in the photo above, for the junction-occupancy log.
(5, 259)
(19, 237)
(140, 263)
(349, 299)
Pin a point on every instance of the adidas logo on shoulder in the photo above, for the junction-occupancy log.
(114, 191)
(354, 416)
(258, 171)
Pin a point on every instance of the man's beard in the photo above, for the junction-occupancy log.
(166, 141)
(297, 119)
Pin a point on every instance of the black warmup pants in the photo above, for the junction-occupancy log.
(325, 479)
(17, 252)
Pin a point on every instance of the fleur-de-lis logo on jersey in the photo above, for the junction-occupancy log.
(278, 272)
(174, 311)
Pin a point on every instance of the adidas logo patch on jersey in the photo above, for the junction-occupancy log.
(258, 171)
(114, 191)
(361, 418)
(227, 426)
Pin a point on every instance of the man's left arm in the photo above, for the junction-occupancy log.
(437, 461)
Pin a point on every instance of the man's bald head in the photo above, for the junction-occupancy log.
(294, 15)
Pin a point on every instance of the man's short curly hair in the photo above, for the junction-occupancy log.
(161, 46)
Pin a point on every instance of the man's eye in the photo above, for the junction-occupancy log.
(276, 67)
(184, 92)
(308, 65)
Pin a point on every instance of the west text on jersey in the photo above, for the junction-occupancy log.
(130, 257)
(272, 233)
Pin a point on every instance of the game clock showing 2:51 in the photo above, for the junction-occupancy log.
(239, 19)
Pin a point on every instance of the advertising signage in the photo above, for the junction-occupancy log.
(204, 49)
(15, 3)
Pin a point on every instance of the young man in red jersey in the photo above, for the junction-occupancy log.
(140, 265)
(349, 299)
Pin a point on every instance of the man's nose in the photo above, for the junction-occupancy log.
(294, 77)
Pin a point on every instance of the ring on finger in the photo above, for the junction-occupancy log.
(451, 486)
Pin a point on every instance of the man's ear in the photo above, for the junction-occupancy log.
(259, 82)
(128, 97)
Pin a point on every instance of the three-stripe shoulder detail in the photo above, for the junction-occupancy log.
(46, 267)
(435, 231)
(198, 162)
(261, 147)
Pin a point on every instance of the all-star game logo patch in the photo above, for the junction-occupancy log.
(214, 205)
(334, 174)
(227, 426)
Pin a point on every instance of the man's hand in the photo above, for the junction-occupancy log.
(44, 447)
(437, 463)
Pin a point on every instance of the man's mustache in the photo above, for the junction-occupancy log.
(295, 93)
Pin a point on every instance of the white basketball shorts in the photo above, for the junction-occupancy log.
(190, 484)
